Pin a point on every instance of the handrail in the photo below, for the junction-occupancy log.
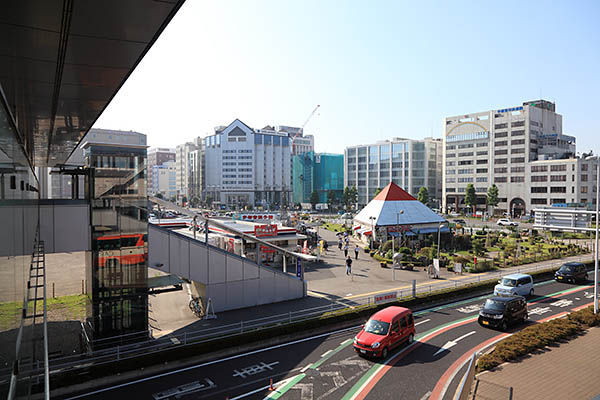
(464, 388)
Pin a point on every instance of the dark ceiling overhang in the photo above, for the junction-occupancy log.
(62, 61)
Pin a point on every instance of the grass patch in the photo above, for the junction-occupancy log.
(537, 337)
(61, 308)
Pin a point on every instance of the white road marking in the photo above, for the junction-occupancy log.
(305, 368)
(326, 353)
(426, 395)
(338, 378)
(346, 341)
(452, 343)
(254, 369)
(306, 390)
(562, 303)
(539, 311)
(422, 322)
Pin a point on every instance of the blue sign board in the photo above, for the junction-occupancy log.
(298, 267)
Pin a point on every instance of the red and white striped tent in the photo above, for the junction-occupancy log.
(394, 209)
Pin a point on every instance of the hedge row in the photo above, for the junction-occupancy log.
(537, 337)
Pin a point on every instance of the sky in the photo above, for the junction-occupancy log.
(378, 69)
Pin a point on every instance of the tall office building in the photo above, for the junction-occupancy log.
(196, 163)
(508, 147)
(411, 164)
(164, 179)
(319, 173)
(246, 166)
(184, 167)
(157, 157)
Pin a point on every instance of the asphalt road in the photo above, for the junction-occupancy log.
(326, 366)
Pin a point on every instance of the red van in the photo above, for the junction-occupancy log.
(385, 330)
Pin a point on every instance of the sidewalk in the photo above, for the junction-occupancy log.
(569, 371)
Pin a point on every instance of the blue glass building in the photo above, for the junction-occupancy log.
(320, 172)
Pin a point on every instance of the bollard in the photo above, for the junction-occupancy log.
(82, 292)
(53, 294)
(271, 388)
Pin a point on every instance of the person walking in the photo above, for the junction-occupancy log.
(346, 250)
(340, 244)
(356, 250)
(348, 265)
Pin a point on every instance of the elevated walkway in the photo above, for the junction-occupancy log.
(230, 281)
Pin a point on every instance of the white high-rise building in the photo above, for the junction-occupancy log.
(157, 156)
(164, 179)
(184, 168)
(246, 166)
(411, 164)
(521, 150)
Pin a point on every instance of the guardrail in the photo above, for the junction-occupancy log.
(127, 351)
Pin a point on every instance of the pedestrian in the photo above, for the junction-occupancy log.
(325, 245)
(356, 250)
(340, 244)
(348, 265)
(346, 250)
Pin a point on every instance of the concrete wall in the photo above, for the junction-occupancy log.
(65, 225)
(231, 281)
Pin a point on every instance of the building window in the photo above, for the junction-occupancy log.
(558, 201)
(517, 133)
(465, 171)
(517, 179)
(465, 162)
(501, 170)
(501, 126)
(481, 179)
(450, 190)
(515, 160)
(584, 167)
(500, 179)
(539, 189)
(558, 178)
(450, 147)
(500, 152)
(539, 178)
(450, 171)
(539, 201)
(558, 167)
(517, 142)
(517, 151)
(450, 155)
(450, 163)
(482, 144)
(539, 168)
(501, 161)
(450, 179)
(499, 135)
(584, 178)
(482, 170)
(584, 189)
(465, 146)
(467, 154)
(482, 153)
(517, 169)
(482, 161)
(501, 143)
(464, 180)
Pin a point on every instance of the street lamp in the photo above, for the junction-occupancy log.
(397, 229)
(438, 246)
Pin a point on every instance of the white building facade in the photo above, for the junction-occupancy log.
(164, 178)
(520, 149)
(410, 164)
(184, 168)
(244, 166)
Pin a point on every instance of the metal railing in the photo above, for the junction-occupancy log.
(171, 341)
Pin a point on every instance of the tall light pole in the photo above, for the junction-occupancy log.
(397, 229)
(596, 249)
(438, 246)
(372, 230)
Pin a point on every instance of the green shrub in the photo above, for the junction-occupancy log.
(389, 255)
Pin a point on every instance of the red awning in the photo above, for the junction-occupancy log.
(367, 233)
(356, 227)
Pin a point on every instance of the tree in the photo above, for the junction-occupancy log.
(314, 198)
(353, 195)
(377, 191)
(423, 195)
(349, 196)
(492, 196)
(470, 197)
(331, 200)
(195, 202)
(209, 200)
(184, 200)
(159, 196)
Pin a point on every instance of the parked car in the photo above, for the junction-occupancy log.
(454, 214)
(514, 285)
(506, 222)
(500, 312)
(385, 330)
(571, 272)
(460, 221)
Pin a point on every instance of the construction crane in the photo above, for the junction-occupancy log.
(301, 130)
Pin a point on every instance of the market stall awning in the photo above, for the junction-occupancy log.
(424, 231)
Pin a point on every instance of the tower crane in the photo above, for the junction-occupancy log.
(301, 130)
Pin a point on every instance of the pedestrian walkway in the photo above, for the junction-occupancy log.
(569, 371)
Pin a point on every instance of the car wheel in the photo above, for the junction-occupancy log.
(411, 339)
(531, 292)
(384, 352)
(585, 277)
(504, 327)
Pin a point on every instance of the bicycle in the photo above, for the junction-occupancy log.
(196, 306)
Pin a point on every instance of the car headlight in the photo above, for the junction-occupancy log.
(375, 345)
(496, 316)
(355, 341)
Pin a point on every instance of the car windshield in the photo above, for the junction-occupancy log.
(494, 305)
(508, 282)
(567, 268)
(377, 327)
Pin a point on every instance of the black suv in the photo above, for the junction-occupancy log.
(500, 312)
(571, 272)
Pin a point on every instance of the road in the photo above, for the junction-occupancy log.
(326, 366)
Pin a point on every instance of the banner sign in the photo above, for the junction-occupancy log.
(385, 297)
(265, 230)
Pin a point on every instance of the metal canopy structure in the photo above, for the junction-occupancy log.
(563, 219)
(62, 62)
